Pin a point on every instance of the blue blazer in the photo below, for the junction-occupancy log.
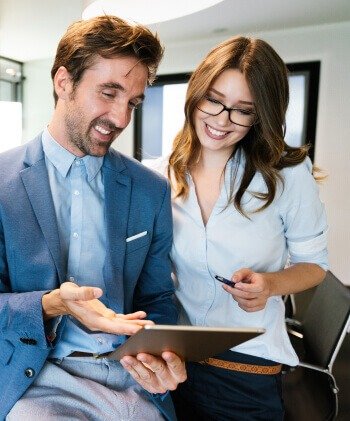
(136, 273)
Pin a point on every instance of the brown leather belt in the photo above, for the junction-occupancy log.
(245, 368)
(87, 354)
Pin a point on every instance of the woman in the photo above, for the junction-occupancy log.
(244, 205)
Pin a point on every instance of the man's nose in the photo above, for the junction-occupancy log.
(120, 115)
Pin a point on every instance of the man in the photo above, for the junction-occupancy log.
(84, 240)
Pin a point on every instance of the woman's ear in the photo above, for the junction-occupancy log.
(63, 84)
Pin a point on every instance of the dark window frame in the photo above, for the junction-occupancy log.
(16, 85)
(168, 79)
(312, 68)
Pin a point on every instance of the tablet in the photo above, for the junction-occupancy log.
(191, 343)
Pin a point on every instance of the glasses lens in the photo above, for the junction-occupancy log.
(210, 106)
(240, 116)
(243, 117)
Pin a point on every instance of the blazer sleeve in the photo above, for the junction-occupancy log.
(21, 319)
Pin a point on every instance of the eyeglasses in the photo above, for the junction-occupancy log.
(240, 116)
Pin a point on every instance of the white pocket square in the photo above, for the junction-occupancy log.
(136, 236)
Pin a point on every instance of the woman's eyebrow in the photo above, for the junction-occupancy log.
(246, 102)
(217, 92)
(223, 96)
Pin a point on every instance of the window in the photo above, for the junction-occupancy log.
(162, 113)
(160, 117)
(10, 103)
(302, 111)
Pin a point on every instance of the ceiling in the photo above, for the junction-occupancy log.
(31, 29)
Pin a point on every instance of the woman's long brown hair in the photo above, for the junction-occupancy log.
(264, 147)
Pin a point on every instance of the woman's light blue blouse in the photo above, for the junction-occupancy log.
(292, 229)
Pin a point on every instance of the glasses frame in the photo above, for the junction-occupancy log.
(228, 109)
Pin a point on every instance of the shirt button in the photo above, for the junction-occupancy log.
(100, 341)
(78, 162)
(76, 192)
(75, 235)
(29, 372)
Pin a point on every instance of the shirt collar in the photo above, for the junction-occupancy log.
(93, 165)
(62, 159)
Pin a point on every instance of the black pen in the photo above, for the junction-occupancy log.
(225, 281)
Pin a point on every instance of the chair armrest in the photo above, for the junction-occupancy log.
(313, 367)
(295, 333)
(293, 322)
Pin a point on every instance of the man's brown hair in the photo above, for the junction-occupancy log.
(108, 37)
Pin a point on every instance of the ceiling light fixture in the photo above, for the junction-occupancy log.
(146, 11)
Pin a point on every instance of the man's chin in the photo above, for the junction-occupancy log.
(100, 149)
(98, 152)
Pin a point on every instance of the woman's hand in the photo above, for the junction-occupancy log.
(251, 289)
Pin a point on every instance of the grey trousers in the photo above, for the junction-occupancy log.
(84, 389)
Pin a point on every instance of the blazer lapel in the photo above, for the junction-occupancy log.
(117, 203)
(36, 183)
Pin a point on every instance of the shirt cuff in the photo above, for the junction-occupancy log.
(309, 247)
(160, 396)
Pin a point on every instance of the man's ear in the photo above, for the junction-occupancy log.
(63, 83)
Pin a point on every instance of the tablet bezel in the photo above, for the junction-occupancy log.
(191, 343)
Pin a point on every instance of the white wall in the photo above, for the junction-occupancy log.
(38, 100)
(328, 43)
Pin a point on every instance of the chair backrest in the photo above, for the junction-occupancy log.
(326, 321)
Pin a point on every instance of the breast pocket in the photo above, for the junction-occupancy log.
(137, 241)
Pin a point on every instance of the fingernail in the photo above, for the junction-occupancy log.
(124, 364)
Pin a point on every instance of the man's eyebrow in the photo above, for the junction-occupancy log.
(119, 87)
(113, 85)
(141, 97)
(223, 96)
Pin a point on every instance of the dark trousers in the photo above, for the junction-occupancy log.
(212, 393)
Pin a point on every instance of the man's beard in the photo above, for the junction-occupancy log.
(84, 141)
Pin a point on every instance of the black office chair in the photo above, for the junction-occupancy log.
(310, 389)
(290, 306)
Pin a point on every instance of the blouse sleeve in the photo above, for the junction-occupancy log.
(304, 217)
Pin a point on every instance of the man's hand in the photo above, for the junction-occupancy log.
(155, 374)
(251, 289)
(82, 303)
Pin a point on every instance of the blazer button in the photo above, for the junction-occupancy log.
(29, 372)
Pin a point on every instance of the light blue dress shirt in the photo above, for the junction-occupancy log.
(292, 229)
(78, 195)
